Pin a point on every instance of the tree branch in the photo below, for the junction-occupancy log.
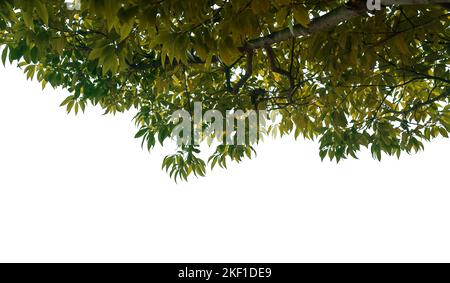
(330, 20)
(248, 72)
(274, 66)
(416, 106)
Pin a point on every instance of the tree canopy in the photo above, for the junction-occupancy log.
(331, 70)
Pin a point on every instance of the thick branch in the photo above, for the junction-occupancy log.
(329, 20)
(322, 23)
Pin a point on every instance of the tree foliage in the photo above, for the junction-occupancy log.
(332, 70)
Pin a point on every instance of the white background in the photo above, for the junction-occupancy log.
(82, 189)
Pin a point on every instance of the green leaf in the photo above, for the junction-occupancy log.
(141, 133)
(96, 53)
(67, 100)
(301, 15)
(42, 11)
(4, 55)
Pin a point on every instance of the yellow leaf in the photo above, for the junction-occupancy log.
(260, 6)
(301, 16)
(96, 53)
(401, 45)
(277, 77)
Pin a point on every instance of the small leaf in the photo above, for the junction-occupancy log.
(4, 55)
(42, 11)
(301, 16)
(96, 53)
(141, 133)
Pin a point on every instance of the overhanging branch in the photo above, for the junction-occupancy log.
(328, 21)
